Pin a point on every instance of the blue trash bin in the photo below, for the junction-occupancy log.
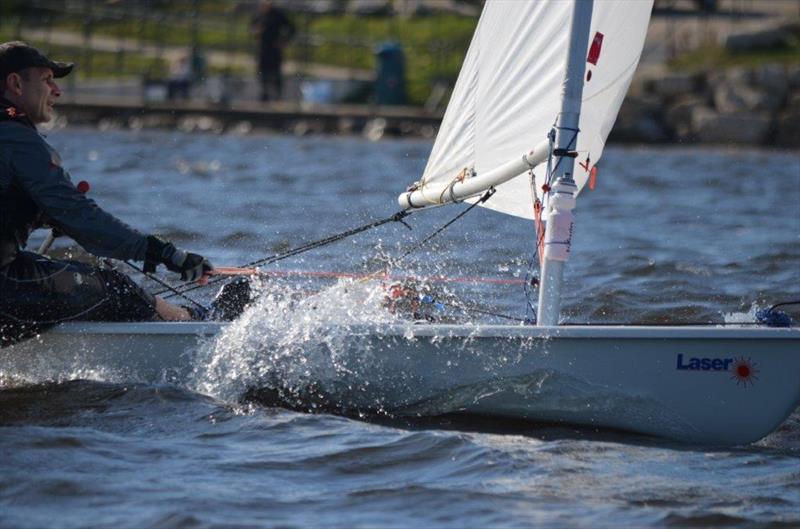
(390, 79)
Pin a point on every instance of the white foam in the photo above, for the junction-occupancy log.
(290, 336)
(741, 317)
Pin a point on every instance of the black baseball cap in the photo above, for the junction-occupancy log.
(15, 56)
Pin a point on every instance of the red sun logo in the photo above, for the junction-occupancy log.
(744, 372)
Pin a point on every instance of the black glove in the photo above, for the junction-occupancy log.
(191, 266)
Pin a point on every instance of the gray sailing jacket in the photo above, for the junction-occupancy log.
(34, 188)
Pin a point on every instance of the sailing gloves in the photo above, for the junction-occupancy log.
(190, 266)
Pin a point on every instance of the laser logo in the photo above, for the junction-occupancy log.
(742, 370)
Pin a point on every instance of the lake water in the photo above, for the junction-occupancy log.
(670, 235)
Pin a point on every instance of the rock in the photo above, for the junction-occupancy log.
(640, 120)
(736, 75)
(678, 116)
(734, 98)
(793, 102)
(738, 90)
(672, 85)
(787, 132)
(750, 128)
(375, 129)
(370, 7)
(768, 39)
(725, 78)
(772, 79)
(793, 76)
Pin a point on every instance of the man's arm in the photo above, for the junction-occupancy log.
(38, 171)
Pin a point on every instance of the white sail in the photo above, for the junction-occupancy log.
(509, 90)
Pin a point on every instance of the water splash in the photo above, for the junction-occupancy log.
(289, 338)
(741, 317)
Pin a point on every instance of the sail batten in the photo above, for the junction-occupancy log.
(510, 88)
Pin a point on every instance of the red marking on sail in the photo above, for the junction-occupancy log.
(594, 50)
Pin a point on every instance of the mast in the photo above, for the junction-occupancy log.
(561, 197)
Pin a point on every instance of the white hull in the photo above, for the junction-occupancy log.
(633, 378)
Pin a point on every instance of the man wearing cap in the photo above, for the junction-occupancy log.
(35, 190)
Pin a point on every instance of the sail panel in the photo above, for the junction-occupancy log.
(508, 93)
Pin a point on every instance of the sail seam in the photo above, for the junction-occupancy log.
(613, 82)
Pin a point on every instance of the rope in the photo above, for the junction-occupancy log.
(458, 179)
(530, 278)
(486, 196)
(427, 279)
(397, 217)
(168, 287)
(783, 303)
(776, 318)
(538, 205)
(496, 314)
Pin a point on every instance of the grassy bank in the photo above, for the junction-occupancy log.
(717, 57)
(434, 45)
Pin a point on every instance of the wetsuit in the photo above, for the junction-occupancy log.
(36, 290)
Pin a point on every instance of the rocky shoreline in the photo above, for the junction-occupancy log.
(738, 106)
(758, 106)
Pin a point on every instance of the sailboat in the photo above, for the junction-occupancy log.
(536, 98)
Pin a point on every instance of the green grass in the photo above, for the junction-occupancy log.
(98, 64)
(712, 57)
(434, 45)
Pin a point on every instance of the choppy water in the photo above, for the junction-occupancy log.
(670, 235)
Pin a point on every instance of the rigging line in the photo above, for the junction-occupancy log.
(537, 216)
(385, 270)
(490, 313)
(397, 217)
(531, 281)
(783, 303)
(446, 225)
(419, 244)
(530, 310)
(168, 287)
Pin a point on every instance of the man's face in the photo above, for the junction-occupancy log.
(35, 92)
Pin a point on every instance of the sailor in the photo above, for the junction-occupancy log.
(35, 190)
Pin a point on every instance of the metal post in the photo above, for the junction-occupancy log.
(88, 29)
(561, 198)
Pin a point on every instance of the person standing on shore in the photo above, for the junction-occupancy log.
(35, 190)
(274, 30)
